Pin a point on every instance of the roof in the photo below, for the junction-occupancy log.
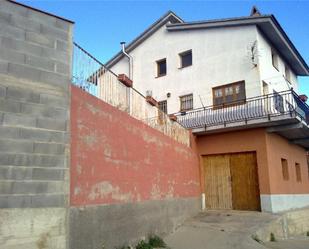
(170, 16)
(267, 24)
(44, 12)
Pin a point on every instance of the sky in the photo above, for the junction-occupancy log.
(100, 25)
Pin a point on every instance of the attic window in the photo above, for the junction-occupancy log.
(185, 58)
(275, 59)
(161, 67)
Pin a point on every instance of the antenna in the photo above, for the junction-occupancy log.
(201, 101)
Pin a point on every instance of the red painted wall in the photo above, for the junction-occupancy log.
(116, 158)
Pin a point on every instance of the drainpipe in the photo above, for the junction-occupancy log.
(130, 59)
(129, 92)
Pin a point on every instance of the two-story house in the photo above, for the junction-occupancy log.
(233, 82)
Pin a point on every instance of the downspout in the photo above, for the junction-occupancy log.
(129, 91)
(130, 59)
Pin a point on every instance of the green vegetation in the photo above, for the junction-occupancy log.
(272, 237)
(143, 245)
(155, 241)
(307, 233)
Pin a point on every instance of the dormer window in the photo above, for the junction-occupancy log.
(275, 59)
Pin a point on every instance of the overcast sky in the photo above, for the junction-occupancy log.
(100, 25)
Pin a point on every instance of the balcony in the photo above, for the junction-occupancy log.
(283, 112)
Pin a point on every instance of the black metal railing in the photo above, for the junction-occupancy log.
(273, 106)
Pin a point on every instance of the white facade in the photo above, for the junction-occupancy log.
(219, 56)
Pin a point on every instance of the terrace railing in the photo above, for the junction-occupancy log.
(92, 76)
(275, 106)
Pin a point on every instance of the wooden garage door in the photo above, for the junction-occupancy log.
(217, 182)
(231, 181)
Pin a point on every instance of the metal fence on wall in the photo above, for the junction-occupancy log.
(92, 76)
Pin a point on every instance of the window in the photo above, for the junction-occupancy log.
(298, 172)
(285, 169)
(161, 67)
(275, 59)
(230, 93)
(185, 59)
(287, 73)
(186, 102)
(163, 106)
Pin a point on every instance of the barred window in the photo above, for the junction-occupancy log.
(163, 106)
(186, 102)
(285, 169)
(298, 172)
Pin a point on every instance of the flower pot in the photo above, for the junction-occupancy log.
(125, 80)
(151, 101)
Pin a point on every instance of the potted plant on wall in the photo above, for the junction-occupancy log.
(150, 99)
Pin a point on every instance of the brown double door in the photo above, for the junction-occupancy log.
(231, 181)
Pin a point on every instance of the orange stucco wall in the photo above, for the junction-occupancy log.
(238, 141)
(277, 148)
(269, 148)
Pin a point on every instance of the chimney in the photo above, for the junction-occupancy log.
(255, 11)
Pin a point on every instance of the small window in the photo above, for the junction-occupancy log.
(298, 172)
(161, 67)
(275, 59)
(285, 169)
(163, 106)
(287, 73)
(230, 93)
(186, 102)
(186, 59)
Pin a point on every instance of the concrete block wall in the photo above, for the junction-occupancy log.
(35, 64)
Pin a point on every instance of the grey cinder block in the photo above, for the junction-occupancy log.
(40, 62)
(4, 67)
(61, 24)
(22, 94)
(12, 56)
(18, 120)
(40, 39)
(15, 173)
(51, 124)
(47, 174)
(25, 23)
(26, 72)
(15, 201)
(48, 200)
(2, 91)
(55, 79)
(9, 132)
(48, 148)
(63, 68)
(54, 32)
(62, 46)
(58, 56)
(9, 105)
(21, 46)
(16, 146)
(32, 160)
(42, 135)
(43, 111)
(12, 32)
(54, 100)
(13, 8)
(5, 17)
